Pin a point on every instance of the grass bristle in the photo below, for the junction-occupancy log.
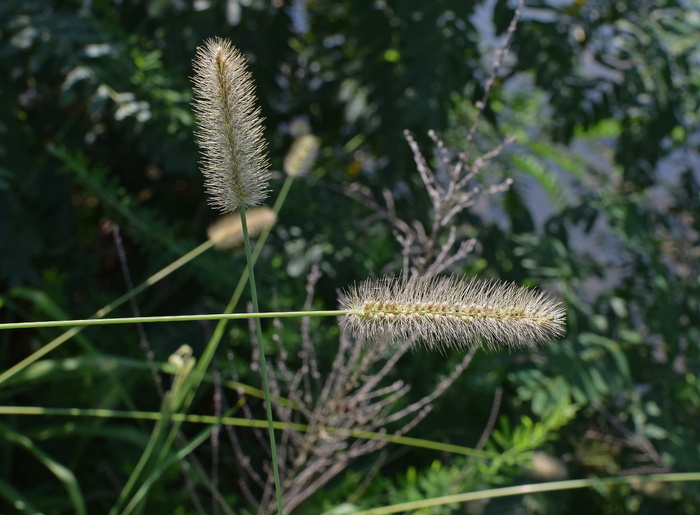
(452, 312)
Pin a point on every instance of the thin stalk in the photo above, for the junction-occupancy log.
(184, 397)
(159, 444)
(57, 342)
(571, 484)
(213, 344)
(205, 359)
(263, 364)
(149, 282)
(144, 461)
(243, 422)
(165, 463)
(221, 326)
(175, 318)
(189, 390)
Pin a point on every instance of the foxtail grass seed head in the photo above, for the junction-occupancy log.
(227, 232)
(230, 132)
(452, 312)
(301, 155)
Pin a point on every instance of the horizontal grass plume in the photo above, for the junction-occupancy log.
(452, 312)
(230, 131)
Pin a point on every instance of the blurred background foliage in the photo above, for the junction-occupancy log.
(96, 130)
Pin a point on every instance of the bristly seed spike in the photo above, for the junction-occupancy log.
(230, 132)
(452, 312)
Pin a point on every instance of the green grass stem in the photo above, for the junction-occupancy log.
(553, 486)
(174, 318)
(57, 342)
(263, 363)
(242, 422)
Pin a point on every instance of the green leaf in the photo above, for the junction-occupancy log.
(16, 500)
(62, 473)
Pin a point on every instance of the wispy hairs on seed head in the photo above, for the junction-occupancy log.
(452, 312)
(301, 155)
(230, 131)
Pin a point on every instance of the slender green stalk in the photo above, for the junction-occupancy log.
(188, 392)
(142, 465)
(61, 472)
(425, 503)
(150, 281)
(175, 318)
(263, 364)
(243, 422)
(221, 326)
(259, 246)
(159, 440)
(159, 444)
(530, 489)
(184, 397)
(15, 498)
(57, 342)
(165, 463)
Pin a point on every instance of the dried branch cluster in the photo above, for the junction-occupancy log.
(451, 188)
(430, 251)
(337, 407)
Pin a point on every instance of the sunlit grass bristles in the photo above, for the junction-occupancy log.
(452, 312)
(230, 136)
(301, 155)
(227, 231)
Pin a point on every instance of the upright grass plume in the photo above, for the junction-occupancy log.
(452, 312)
(234, 164)
(230, 136)
(301, 155)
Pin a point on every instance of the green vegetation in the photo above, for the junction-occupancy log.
(580, 178)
